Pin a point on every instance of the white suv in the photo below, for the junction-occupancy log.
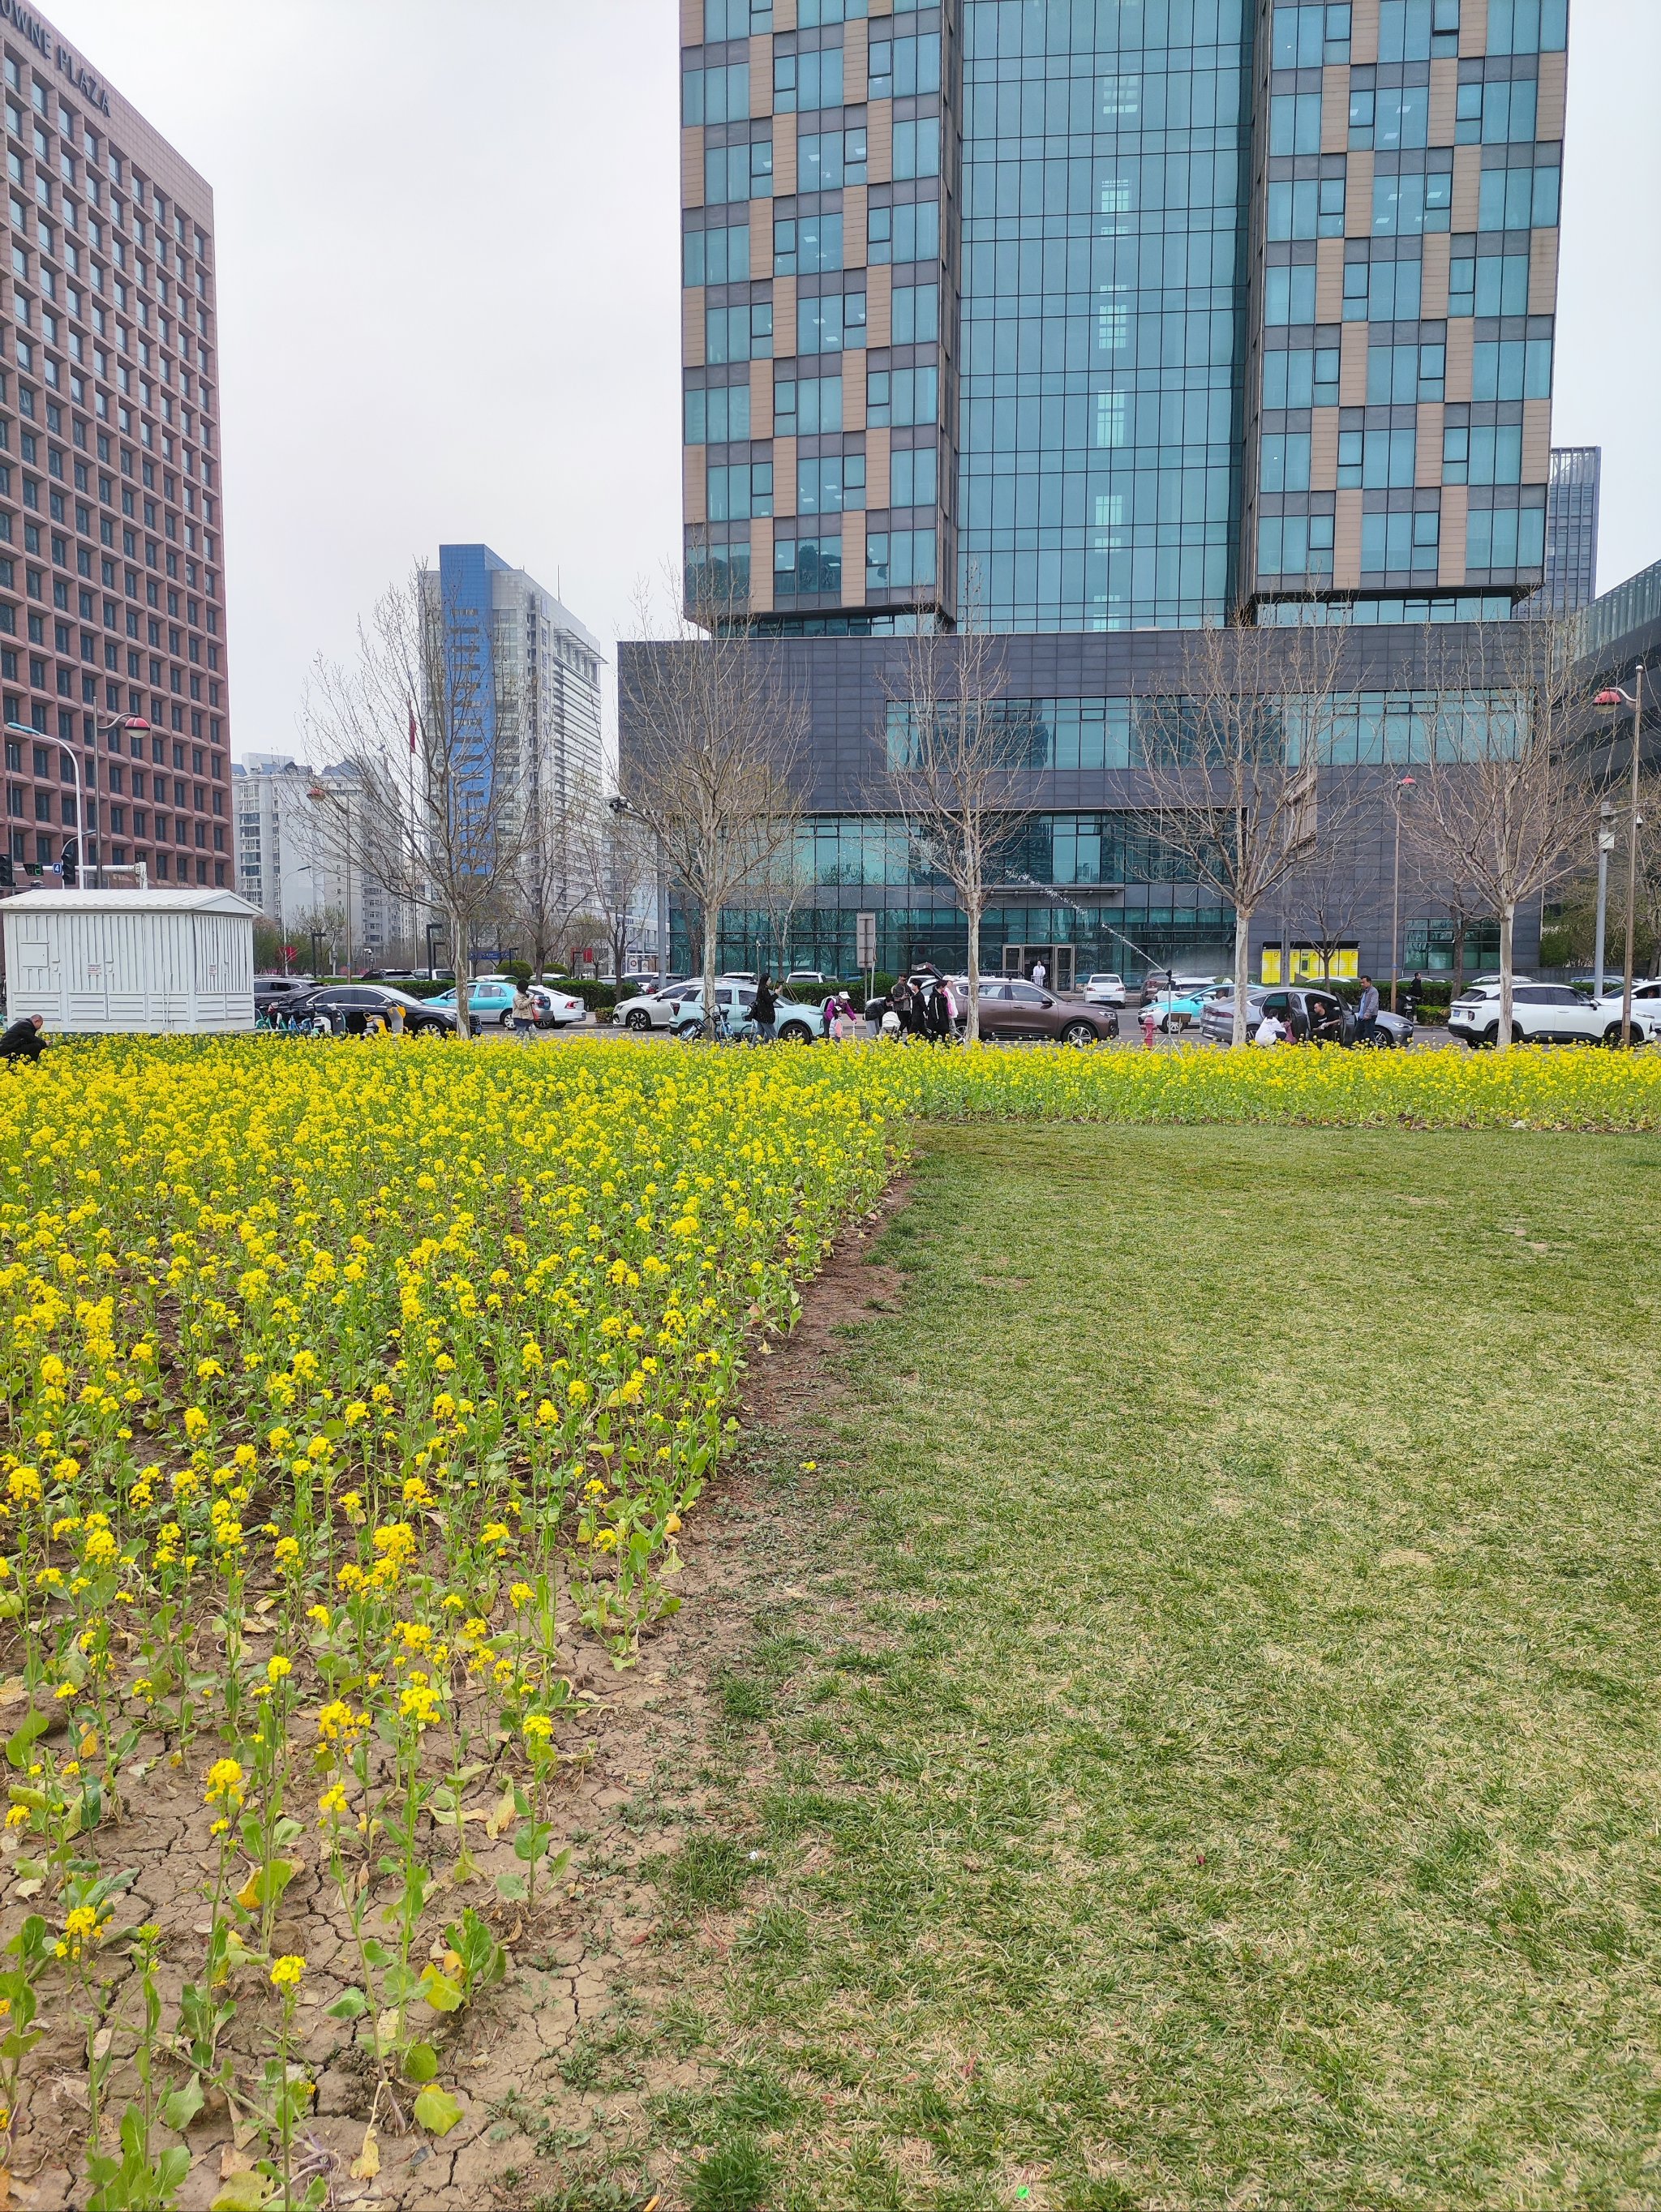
(1547, 1013)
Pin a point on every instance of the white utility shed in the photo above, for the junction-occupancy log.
(160, 961)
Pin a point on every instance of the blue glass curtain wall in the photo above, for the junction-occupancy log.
(1104, 309)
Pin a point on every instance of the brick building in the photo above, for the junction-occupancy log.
(112, 562)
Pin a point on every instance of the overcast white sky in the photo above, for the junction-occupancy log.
(449, 303)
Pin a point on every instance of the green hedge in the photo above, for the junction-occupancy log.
(599, 998)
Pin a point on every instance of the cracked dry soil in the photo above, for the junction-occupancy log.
(608, 1950)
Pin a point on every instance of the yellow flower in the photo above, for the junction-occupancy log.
(224, 1783)
(277, 1668)
(286, 1974)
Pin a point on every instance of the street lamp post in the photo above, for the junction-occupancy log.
(434, 930)
(1404, 784)
(619, 806)
(1616, 697)
(1605, 847)
(83, 839)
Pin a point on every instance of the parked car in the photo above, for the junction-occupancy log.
(1011, 1008)
(487, 1001)
(1104, 990)
(557, 1009)
(1181, 1006)
(1547, 1013)
(734, 1001)
(490, 999)
(796, 1022)
(644, 984)
(1326, 1018)
(1645, 995)
(807, 976)
(348, 1006)
(654, 1010)
(276, 990)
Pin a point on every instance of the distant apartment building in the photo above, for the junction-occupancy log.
(294, 873)
(537, 700)
(112, 583)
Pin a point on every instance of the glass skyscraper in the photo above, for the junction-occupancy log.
(1105, 176)
(1117, 314)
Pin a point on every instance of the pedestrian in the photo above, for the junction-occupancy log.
(901, 1000)
(23, 1040)
(395, 1018)
(1296, 1023)
(941, 1025)
(1040, 974)
(1411, 997)
(841, 1023)
(1366, 1014)
(1270, 1030)
(524, 1013)
(765, 1011)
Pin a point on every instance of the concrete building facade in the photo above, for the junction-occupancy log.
(300, 880)
(112, 554)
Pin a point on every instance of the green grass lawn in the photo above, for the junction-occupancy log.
(1202, 1733)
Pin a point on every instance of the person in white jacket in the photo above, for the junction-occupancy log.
(1270, 1030)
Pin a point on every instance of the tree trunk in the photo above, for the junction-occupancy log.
(459, 961)
(711, 927)
(1507, 927)
(972, 1034)
(1242, 962)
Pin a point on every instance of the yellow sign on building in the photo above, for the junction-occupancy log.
(1311, 966)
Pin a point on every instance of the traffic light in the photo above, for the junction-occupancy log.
(8, 873)
(68, 861)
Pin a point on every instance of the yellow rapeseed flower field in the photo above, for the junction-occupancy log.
(344, 1389)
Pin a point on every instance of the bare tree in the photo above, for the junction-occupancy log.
(431, 740)
(616, 860)
(1505, 803)
(1233, 760)
(956, 763)
(549, 884)
(1464, 902)
(319, 925)
(1323, 896)
(711, 755)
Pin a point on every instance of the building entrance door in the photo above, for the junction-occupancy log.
(1057, 960)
